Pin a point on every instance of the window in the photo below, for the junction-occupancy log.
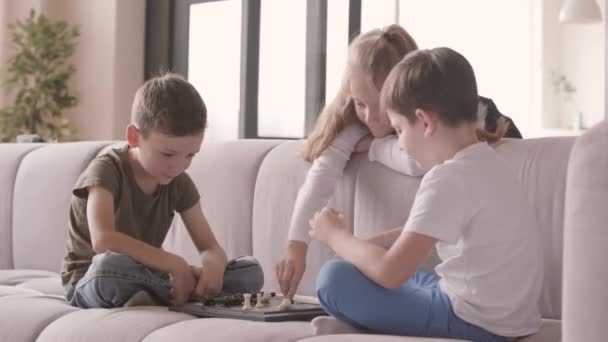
(337, 45)
(377, 14)
(282, 68)
(284, 59)
(214, 58)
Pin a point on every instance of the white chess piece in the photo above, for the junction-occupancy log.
(247, 301)
(285, 304)
(259, 304)
(267, 297)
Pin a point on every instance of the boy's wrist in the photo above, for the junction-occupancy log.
(214, 256)
(177, 263)
(338, 235)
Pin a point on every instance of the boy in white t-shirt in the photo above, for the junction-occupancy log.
(470, 206)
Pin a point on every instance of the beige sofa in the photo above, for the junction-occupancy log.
(248, 190)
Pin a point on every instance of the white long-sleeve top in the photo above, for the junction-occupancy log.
(326, 169)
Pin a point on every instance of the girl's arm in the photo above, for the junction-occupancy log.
(321, 180)
(388, 152)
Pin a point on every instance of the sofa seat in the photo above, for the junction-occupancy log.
(43, 281)
(219, 329)
(29, 315)
(26, 313)
(373, 338)
(33, 308)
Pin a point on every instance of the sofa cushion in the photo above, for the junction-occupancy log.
(41, 202)
(49, 285)
(280, 177)
(15, 277)
(122, 324)
(586, 239)
(550, 331)
(374, 338)
(9, 290)
(23, 317)
(12, 154)
(221, 330)
(225, 174)
(541, 164)
(383, 199)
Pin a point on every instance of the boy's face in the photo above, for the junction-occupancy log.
(411, 136)
(367, 104)
(165, 157)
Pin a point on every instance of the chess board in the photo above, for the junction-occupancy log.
(269, 313)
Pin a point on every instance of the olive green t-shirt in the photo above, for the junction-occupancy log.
(144, 217)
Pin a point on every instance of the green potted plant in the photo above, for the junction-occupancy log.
(37, 77)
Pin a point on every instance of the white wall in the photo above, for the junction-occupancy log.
(579, 51)
(9, 10)
(109, 58)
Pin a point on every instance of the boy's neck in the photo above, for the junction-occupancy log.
(452, 140)
(143, 180)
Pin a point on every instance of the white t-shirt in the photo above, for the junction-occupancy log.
(326, 170)
(487, 239)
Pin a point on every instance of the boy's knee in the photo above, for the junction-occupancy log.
(335, 275)
(112, 261)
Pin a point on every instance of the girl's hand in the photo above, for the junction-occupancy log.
(327, 224)
(291, 267)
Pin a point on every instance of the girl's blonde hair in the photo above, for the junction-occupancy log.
(374, 53)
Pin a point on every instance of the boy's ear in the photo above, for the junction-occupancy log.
(428, 120)
(133, 136)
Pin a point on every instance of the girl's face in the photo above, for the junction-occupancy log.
(366, 98)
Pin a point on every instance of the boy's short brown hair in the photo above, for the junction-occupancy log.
(170, 105)
(439, 80)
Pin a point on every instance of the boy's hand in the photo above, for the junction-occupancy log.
(327, 224)
(210, 279)
(182, 282)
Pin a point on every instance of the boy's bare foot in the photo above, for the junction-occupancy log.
(141, 298)
(325, 325)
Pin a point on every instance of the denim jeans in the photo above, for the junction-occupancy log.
(113, 278)
(417, 308)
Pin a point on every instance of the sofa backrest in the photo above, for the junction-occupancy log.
(586, 238)
(36, 182)
(248, 189)
(11, 156)
(41, 194)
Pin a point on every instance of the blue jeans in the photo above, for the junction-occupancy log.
(113, 278)
(417, 308)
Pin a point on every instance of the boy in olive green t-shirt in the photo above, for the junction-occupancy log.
(124, 203)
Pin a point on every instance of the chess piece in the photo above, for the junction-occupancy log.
(285, 304)
(247, 301)
(259, 303)
(266, 298)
